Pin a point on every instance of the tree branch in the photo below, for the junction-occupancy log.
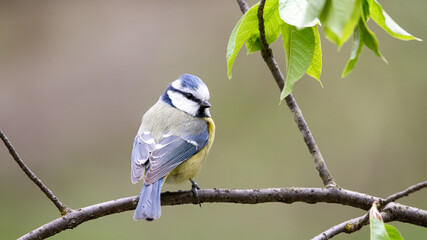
(406, 192)
(267, 55)
(356, 224)
(61, 207)
(72, 219)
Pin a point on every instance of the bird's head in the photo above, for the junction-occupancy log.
(189, 94)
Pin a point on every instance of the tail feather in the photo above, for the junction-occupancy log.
(149, 202)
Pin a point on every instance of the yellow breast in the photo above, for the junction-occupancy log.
(192, 166)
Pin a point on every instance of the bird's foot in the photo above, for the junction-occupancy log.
(194, 188)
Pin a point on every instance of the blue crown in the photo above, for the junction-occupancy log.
(190, 81)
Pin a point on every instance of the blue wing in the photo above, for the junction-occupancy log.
(142, 148)
(171, 151)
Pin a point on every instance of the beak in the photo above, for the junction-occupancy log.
(205, 104)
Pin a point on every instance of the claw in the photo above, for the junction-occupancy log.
(194, 188)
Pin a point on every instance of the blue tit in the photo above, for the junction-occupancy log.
(172, 143)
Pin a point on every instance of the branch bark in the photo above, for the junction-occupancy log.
(74, 218)
(267, 55)
(61, 207)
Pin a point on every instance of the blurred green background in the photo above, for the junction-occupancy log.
(76, 77)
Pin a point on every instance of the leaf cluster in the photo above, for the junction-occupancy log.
(298, 20)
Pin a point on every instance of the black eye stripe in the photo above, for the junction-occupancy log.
(187, 95)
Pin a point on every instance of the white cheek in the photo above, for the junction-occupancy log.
(183, 103)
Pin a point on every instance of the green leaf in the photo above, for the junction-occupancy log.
(362, 36)
(235, 44)
(355, 51)
(339, 18)
(387, 23)
(378, 231)
(382, 231)
(299, 47)
(246, 30)
(365, 10)
(393, 233)
(293, 12)
(370, 40)
(312, 12)
(315, 68)
(253, 44)
(272, 23)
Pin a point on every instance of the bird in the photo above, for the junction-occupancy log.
(172, 143)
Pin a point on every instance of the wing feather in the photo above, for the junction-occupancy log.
(171, 151)
(142, 147)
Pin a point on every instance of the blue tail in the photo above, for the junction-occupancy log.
(149, 202)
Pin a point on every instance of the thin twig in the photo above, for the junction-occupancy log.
(356, 224)
(406, 192)
(363, 201)
(61, 207)
(337, 229)
(267, 55)
(349, 226)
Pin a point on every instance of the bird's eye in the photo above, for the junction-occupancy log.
(189, 96)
